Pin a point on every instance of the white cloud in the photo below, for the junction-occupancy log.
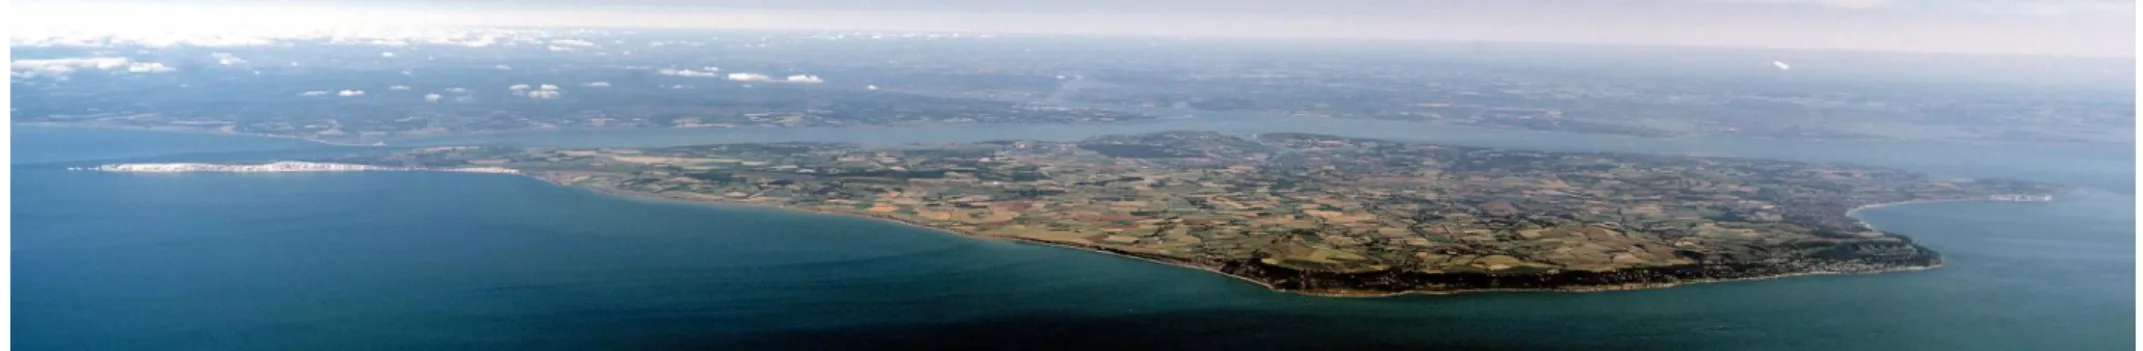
(457, 90)
(164, 38)
(148, 67)
(596, 84)
(540, 91)
(84, 62)
(61, 67)
(750, 77)
(386, 54)
(572, 42)
(502, 67)
(705, 72)
(350, 93)
(755, 77)
(313, 93)
(226, 59)
(398, 87)
(431, 97)
(870, 87)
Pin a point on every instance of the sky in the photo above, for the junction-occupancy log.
(2085, 28)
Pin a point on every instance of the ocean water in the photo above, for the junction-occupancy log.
(458, 261)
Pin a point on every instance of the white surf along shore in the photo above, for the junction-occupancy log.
(274, 167)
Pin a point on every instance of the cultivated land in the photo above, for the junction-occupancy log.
(1312, 213)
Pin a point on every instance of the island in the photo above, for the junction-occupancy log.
(1313, 214)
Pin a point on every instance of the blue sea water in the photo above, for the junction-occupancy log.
(458, 261)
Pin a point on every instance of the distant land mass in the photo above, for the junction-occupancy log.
(1307, 213)
(365, 87)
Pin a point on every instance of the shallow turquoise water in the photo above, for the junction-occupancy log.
(433, 260)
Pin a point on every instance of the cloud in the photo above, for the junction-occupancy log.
(750, 77)
(572, 42)
(540, 91)
(596, 84)
(62, 67)
(226, 59)
(386, 54)
(457, 90)
(82, 62)
(870, 87)
(755, 77)
(704, 72)
(79, 35)
(148, 67)
(313, 93)
(502, 67)
(433, 97)
(398, 87)
(350, 93)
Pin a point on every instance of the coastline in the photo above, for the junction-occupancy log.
(546, 177)
(896, 221)
(1852, 213)
(1304, 282)
(1857, 209)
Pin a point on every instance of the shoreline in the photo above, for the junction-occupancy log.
(1857, 209)
(1852, 213)
(1267, 285)
(557, 179)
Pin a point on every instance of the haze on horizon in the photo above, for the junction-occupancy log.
(2078, 28)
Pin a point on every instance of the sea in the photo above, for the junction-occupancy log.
(416, 260)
